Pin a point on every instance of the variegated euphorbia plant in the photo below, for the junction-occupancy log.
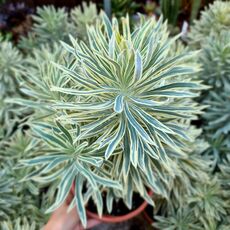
(132, 99)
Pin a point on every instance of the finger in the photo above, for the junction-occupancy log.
(69, 198)
(71, 219)
(90, 223)
(93, 222)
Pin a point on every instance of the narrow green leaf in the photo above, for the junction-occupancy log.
(119, 104)
(108, 25)
(40, 160)
(49, 138)
(84, 106)
(63, 188)
(153, 122)
(79, 200)
(80, 92)
(109, 200)
(98, 201)
(112, 47)
(87, 174)
(138, 66)
(137, 126)
(126, 154)
(133, 139)
(55, 163)
(106, 182)
(65, 131)
(116, 139)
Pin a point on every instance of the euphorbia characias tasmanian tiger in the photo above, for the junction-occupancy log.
(133, 103)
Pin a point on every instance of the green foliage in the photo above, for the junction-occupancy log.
(203, 207)
(50, 25)
(170, 10)
(7, 200)
(122, 7)
(41, 75)
(133, 102)
(82, 16)
(18, 224)
(210, 200)
(215, 59)
(208, 203)
(218, 114)
(127, 88)
(195, 9)
(112, 114)
(214, 19)
(190, 172)
(224, 177)
(11, 65)
(218, 148)
(18, 199)
(180, 219)
(225, 174)
(75, 162)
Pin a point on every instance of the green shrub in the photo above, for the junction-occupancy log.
(19, 224)
(208, 203)
(123, 113)
(214, 41)
(218, 114)
(182, 218)
(18, 200)
(50, 25)
(122, 7)
(215, 59)
(214, 19)
(210, 33)
(82, 16)
(11, 65)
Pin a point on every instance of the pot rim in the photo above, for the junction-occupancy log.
(121, 218)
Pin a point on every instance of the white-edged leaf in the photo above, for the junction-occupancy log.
(116, 139)
(119, 104)
(143, 134)
(138, 66)
(79, 200)
(63, 188)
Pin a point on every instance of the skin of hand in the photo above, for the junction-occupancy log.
(63, 220)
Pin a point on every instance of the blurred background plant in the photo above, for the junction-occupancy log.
(50, 25)
(19, 199)
(214, 19)
(11, 64)
(211, 34)
(122, 7)
(81, 16)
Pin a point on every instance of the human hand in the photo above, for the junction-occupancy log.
(63, 220)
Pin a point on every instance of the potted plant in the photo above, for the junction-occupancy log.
(114, 117)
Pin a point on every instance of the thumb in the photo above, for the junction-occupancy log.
(90, 223)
